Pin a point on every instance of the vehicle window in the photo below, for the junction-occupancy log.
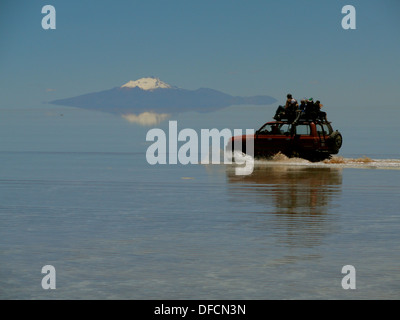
(275, 129)
(285, 128)
(303, 129)
(325, 127)
(267, 129)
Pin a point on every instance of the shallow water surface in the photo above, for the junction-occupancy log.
(115, 227)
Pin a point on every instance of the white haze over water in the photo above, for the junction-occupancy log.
(146, 118)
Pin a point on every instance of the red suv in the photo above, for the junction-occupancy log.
(311, 140)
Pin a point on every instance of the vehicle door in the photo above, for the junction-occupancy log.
(303, 139)
(323, 131)
(273, 138)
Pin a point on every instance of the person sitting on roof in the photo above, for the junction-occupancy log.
(291, 110)
(300, 111)
(310, 110)
(320, 114)
(281, 109)
(289, 99)
(303, 105)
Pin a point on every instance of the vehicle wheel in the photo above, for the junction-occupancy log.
(336, 141)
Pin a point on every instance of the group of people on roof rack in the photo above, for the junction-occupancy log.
(308, 110)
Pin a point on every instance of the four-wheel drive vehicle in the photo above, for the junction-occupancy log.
(311, 140)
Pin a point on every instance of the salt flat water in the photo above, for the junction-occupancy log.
(76, 192)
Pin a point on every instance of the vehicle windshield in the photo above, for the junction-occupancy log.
(275, 128)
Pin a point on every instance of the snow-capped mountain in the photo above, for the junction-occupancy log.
(153, 95)
(150, 83)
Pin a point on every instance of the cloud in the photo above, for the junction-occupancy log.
(146, 118)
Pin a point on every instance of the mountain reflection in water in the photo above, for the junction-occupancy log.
(297, 200)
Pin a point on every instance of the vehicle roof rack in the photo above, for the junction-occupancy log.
(301, 120)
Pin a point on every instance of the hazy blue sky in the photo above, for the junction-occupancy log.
(239, 47)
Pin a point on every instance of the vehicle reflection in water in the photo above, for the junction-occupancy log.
(297, 199)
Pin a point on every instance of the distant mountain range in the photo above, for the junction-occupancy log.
(153, 95)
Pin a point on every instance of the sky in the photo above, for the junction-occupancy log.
(253, 47)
